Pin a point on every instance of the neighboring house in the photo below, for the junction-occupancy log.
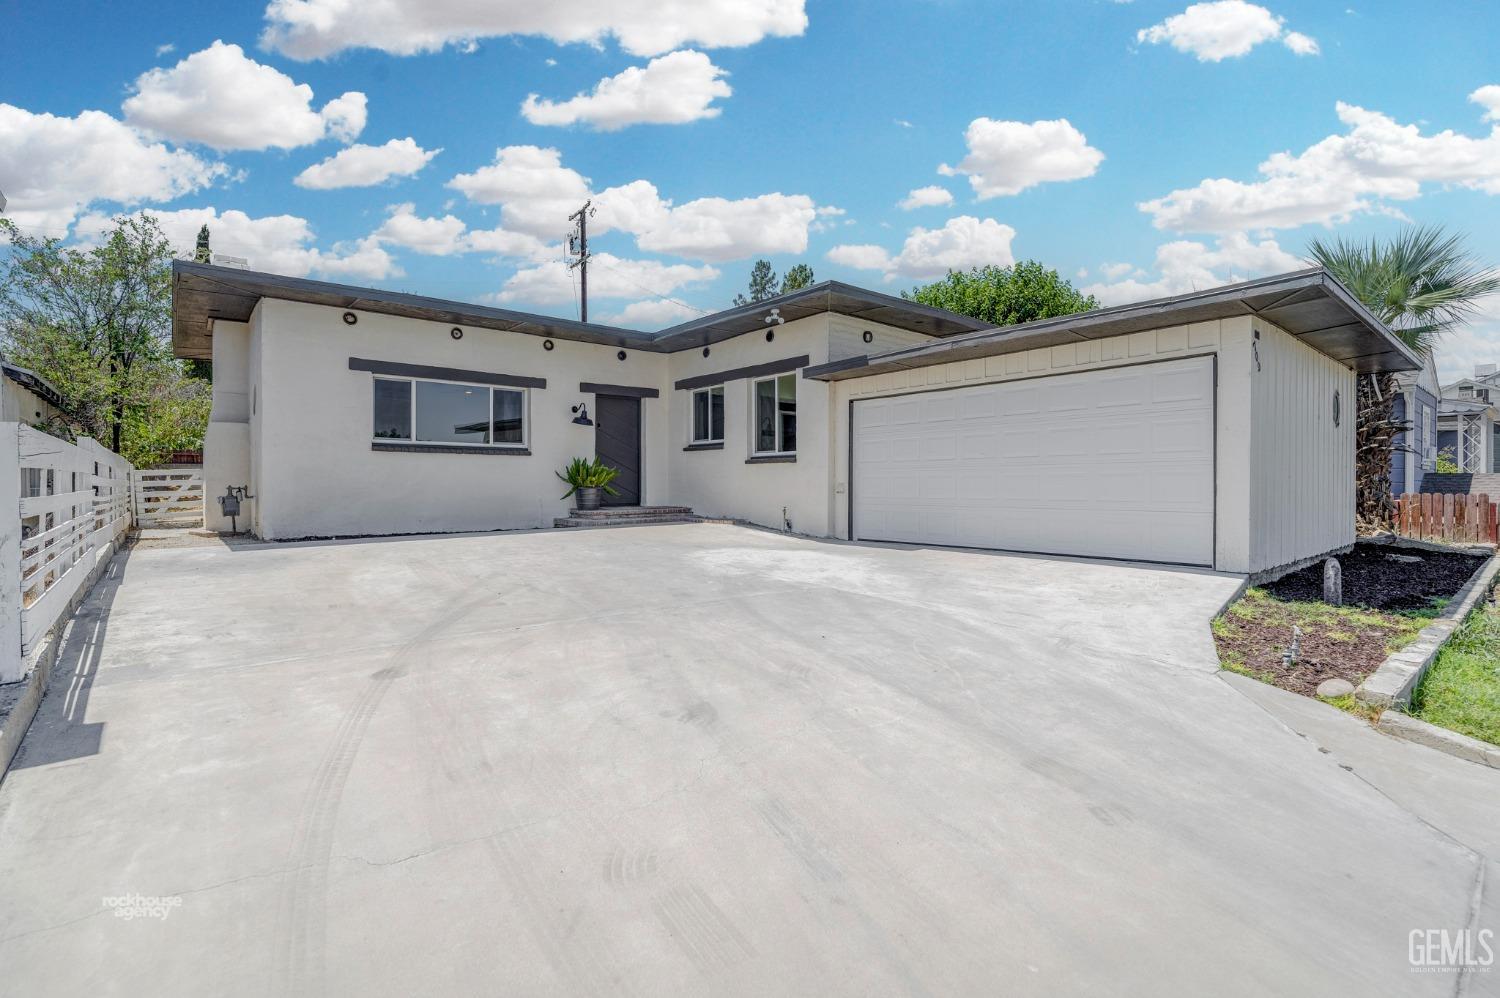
(1212, 429)
(1469, 428)
(1415, 452)
(27, 397)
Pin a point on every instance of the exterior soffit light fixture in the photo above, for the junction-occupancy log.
(581, 415)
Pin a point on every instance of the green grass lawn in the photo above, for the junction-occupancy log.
(1462, 690)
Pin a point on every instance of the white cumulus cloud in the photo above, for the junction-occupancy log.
(671, 90)
(1376, 161)
(363, 165)
(652, 313)
(432, 236)
(963, 242)
(314, 29)
(1488, 97)
(535, 191)
(52, 168)
(222, 98)
(1224, 29)
(278, 244)
(1006, 157)
(610, 276)
(536, 194)
(450, 235)
(926, 197)
(1184, 266)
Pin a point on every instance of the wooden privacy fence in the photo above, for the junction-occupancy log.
(169, 497)
(1437, 516)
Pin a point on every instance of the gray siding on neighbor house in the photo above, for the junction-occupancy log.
(1404, 439)
(1425, 407)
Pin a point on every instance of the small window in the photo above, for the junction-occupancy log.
(776, 415)
(708, 415)
(392, 409)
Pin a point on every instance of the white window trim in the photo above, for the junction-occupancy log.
(411, 400)
(693, 438)
(755, 416)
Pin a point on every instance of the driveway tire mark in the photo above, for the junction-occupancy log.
(301, 932)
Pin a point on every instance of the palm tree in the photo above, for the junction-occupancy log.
(1421, 284)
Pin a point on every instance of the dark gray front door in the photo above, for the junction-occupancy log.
(617, 443)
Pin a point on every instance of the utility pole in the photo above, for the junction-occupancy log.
(578, 245)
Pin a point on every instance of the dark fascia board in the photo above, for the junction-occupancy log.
(1386, 352)
(811, 300)
(735, 374)
(626, 391)
(445, 373)
(203, 292)
(37, 385)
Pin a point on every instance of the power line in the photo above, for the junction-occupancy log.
(655, 294)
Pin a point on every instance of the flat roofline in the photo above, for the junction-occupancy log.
(1309, 304)
(204, 292)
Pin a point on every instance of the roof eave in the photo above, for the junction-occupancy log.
(1297, 290)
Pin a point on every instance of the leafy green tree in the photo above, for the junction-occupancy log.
(797, 278)
(96, 322)
(202, 253)
(762, 284)
(1004, 296)
(1422, 283)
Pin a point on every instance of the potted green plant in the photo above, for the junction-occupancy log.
(587, 479)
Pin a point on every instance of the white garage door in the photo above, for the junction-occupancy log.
(1106, 464)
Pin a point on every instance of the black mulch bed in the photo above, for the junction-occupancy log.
(1373, 580)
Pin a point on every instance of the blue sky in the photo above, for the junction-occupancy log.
(1141, 148)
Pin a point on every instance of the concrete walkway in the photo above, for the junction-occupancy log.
(686, 760)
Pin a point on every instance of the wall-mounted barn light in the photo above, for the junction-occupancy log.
(581, 414)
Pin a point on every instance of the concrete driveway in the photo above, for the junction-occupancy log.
(688, 760)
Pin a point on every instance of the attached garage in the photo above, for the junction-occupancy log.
(1213, 430)
(1116, 463)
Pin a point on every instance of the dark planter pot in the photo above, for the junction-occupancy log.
(588, 498)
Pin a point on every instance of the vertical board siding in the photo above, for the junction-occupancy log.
(1302, 489)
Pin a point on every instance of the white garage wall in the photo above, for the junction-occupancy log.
(226, 441)
(846, 337)
(1302, 494)
(317, 474)
(1229, 339)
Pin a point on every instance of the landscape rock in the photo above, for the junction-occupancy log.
(1330, 689)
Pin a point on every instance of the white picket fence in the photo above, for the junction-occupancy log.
(169, 497)
(72, 507)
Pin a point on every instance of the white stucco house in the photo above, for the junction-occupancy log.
(1213, 429)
